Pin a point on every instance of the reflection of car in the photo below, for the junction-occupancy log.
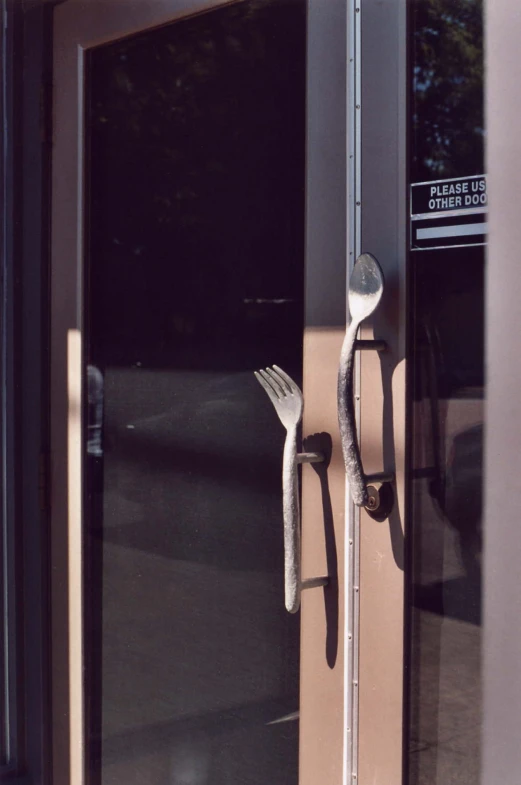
(463, 502)
(95, 411)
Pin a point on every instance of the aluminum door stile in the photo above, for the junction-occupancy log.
(352, 529)
(501, 596)
(383, 223)
(322, 683)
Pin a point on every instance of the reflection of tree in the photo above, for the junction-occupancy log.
(447, 101)
(197, 168)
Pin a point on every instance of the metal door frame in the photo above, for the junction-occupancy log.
(380, 208)
(502, 633)
(502, 640)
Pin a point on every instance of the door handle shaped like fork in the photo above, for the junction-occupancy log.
(288, 402)
(366, 287)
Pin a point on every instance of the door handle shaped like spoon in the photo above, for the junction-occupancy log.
(366, 288)
(288, 402)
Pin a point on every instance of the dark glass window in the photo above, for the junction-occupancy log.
(195, 277)
(446, 126)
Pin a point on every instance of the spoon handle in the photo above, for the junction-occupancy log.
(347, 420)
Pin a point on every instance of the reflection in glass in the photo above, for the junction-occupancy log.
(195, 279)
(445, 518)
(447, 109)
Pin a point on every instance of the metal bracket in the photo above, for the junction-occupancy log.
(310, 457)
(364, 345)
(313, 583)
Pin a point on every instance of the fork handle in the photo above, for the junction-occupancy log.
(291, 514)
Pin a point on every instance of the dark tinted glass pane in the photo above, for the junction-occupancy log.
(195, 278)
(447, 270)
(447, 122)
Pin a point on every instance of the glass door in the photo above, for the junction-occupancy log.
(187, 255)
(423, 194)
(194, 280)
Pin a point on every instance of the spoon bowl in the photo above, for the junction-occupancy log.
(365, 287)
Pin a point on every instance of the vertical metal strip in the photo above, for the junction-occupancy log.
(75, 380)
(357, 251)
(352, 551)
(11, 675)
(75, 560)
(80, 241)
(6, 742)
(500, 745)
